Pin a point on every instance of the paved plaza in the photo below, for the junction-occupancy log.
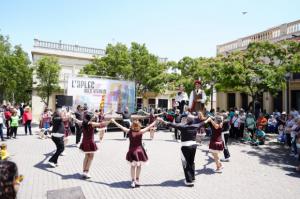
(253, 172)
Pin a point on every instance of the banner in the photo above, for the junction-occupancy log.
(100, 93)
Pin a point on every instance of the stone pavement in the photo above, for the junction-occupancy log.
(253, 172)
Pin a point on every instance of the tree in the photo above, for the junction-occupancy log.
(15, 73)
(47, 72)
(134, 63)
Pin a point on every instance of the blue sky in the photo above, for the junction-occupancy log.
(169, 28)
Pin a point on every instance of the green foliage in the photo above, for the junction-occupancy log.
(135, 63)
(47, 72)
(15, 73)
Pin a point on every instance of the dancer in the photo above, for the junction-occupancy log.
(88, 145)
(78, 116)
(225, 136)
(181, 98)
(126, 119)
(66, 117)
(136, 154)
(58, 132)
(101, 116)
(197, 98)
(152, 118)
(188, 146)
(216, 144)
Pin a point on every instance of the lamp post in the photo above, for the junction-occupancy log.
(287, 78)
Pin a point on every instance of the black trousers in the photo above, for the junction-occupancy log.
(13, 131)
(289, 139)
(226, 151)
(177, 136)
(188, 163)
(60, 147)
(28, 125)
(241, 130)
(78, 133)
(1, 132)
(7, 128)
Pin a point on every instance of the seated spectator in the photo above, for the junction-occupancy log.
(272, 124)
(9, 180)
(260, 136)
(261, 122)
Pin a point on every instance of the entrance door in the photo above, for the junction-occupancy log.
(277, 105)
(295, 99)
(230, 100)
(244, 98)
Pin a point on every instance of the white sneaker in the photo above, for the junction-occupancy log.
(87, 175)
(63, 154)
(132, 184)
(225, 159)
(52, 164)
(190, 184)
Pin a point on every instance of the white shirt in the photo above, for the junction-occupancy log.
(1, 117)
(182, 97)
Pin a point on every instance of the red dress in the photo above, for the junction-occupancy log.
(136, 153)
(67, 128)
(88, 144)
(216, 143)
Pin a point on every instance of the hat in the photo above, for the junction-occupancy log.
(197, 82)
(283, 113)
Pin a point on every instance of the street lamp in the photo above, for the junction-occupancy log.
(287, 78)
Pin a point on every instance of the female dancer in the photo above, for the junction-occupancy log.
(88, 145)
(216, 144)
(136, 154)
(66, 116)
(101, 116)
(152, 118)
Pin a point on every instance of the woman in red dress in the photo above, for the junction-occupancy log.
(216, 144)
(88, 145)
(136, 154)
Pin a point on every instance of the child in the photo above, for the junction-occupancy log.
(14, 124)
(45, 123)
(136, 154)
(3, 152)
(152, 118)
(88, 145)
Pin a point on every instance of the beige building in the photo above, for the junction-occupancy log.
(72, 58)
(286, 99)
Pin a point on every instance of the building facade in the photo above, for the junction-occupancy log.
(287, 98)
(72, 58)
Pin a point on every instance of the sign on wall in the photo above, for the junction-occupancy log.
(104, 94)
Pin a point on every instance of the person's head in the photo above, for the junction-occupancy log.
(136, 126)
(236, 113)
(218, 119)
(190, 119)
(3, 146)
(197, 84)
(78, 107)
(177, 111)
(9, 180)
(46, 109)
(201, 115)
(126, 109)
(27, 109)
(290, 117)
(261, 115)
(14, 112)
(181, 87)
(57, 112)
(88, 117)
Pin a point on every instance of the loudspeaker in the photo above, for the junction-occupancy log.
(64, 100)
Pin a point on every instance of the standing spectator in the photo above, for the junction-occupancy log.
(250, 124)
(235, 121)
(1, 123)
(242, 119)
(288, 129)
(7, 115)
(27, 118)
(9, 180)
(294, 112)
(14, 123)
(272, 124)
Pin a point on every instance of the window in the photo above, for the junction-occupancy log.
(163, 103)
(151, 103)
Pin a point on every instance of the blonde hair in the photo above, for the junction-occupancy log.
(136, 125)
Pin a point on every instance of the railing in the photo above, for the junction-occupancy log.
(282, 32)
(68, 47)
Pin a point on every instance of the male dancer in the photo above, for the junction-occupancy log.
(188, 146)
(197, 98)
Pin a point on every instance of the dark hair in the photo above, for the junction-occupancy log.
(87, 118)
(8, 174)
(78, 107)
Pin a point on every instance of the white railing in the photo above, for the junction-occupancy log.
(282, 32)
(68, 47)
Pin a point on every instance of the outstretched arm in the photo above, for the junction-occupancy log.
(217, 126)
(120, 126)
(144, 130)
(101, 124)
(145, 112)
(77, 121)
